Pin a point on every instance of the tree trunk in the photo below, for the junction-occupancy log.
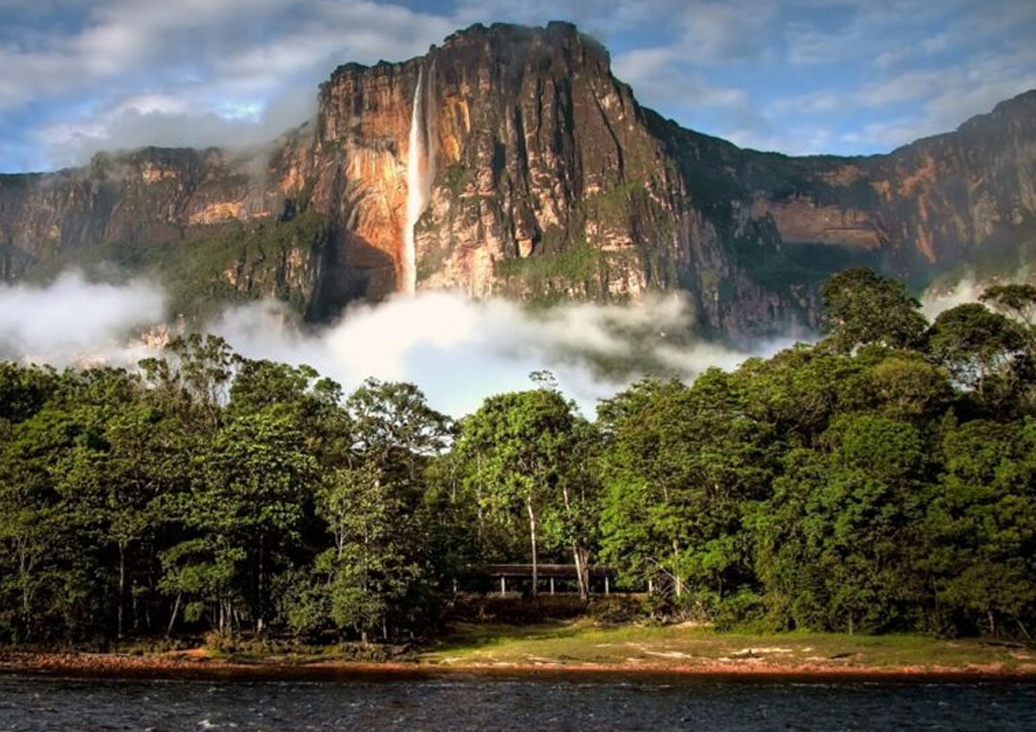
(532, 536)
(26, 592)
(225, 619)
(676, 570)
(134, 607)
(260, 604)
(479, 502)
(172, 618)
(579, 555)
(582, 571)
(1025, 631)
(122, 587)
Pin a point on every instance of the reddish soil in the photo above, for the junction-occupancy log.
(196, 664)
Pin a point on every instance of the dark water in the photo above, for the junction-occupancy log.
(479, 703)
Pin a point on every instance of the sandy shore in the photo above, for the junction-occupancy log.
(197, 665)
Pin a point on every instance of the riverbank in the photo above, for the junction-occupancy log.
(581, 647)
(690, 649)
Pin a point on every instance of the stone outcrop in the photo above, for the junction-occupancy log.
(547, 182)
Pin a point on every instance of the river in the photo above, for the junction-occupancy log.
(459, 702)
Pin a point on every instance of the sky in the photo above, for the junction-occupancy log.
(802, 76)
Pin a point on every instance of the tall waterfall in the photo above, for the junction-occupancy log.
(420, 171)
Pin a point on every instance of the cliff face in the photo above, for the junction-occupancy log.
(510, 161)
(937, 203)
(203, 214)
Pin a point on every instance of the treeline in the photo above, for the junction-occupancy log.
(881, 480)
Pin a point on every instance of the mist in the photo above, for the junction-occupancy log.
(76, 322)
(457, 350)
(936, 300)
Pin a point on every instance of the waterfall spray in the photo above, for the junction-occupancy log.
(420, 171)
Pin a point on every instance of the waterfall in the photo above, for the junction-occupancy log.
(420, 170)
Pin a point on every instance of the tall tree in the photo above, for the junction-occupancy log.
(519, 442)
(975, 345)
(394, 427)
(861, 307)
(980, 526)
(244, 511)
(835, 541)
(371, 568)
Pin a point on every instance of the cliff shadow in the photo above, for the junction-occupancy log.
(351, 269)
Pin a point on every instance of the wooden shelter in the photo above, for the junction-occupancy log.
(500, 574)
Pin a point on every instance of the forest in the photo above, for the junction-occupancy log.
(880, 480)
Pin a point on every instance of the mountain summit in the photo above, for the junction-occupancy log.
(510, 161)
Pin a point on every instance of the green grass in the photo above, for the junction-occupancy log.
(575, 262)
(581, 642)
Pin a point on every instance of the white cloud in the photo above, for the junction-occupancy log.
(936, 300)
(658, 78)
(797, 139)
(718, 32)
(905, 87)
(948, 98)
(457, 350)
(725, 67)
(808, 45)
(171, 121)
(211, 58)
(74, 320)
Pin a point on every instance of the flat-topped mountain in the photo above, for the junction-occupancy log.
(510, 161)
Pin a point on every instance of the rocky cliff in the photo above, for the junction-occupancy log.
(963, 198)
(509, 161)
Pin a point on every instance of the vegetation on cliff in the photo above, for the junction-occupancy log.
(882, 480)
(217, 264)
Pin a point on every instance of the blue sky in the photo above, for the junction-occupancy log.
(839, 76)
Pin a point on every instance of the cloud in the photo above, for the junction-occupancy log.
(170, 121)
(809, 45)
(214, 59)
(860, 75)
(949, 98)
(457, 350)
(794, 139)
(936, 300)
(723, 32)
(75, 321)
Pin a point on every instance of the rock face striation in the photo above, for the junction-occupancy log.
(510, 161)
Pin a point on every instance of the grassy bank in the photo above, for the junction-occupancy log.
(581, 642)
(478, 642)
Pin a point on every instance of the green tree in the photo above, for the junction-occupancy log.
(834, 541)
(644, 517)
(193, 377)
(861, 307)
(974, 344)
(682, 472)
(908, 388)
(244, 510)
(371, 569)
(1016, 301)
(517, 445)
(394, 426)
(980, 525)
